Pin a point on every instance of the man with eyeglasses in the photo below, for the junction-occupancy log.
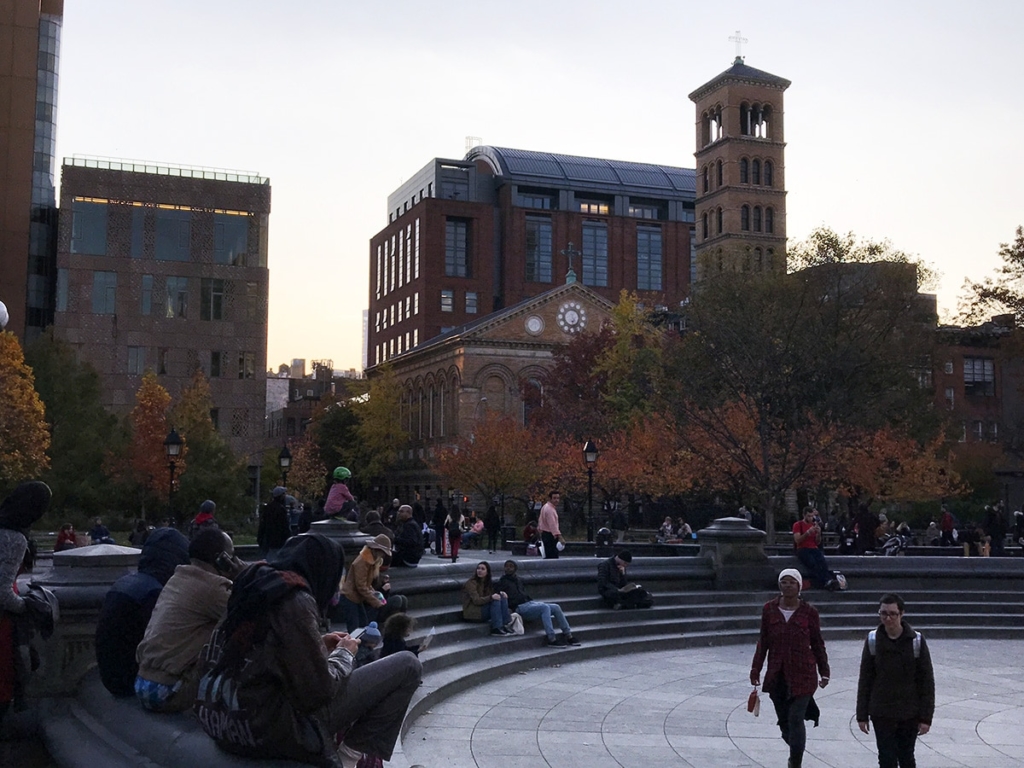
(896, 689)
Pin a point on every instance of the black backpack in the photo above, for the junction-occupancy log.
(454, 529)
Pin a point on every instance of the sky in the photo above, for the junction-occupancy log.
(902, 121)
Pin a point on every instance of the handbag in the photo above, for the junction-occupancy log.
(517, 624)
(754, 702)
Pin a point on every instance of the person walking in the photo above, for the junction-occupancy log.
(453, 524)
(492, 524)
(791, 641)
(896, 687)
(547, 526)
(273, 530)
(437, 523)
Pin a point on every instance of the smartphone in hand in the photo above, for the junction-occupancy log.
(355, 635)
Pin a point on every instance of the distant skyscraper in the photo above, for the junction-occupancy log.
(30, 35)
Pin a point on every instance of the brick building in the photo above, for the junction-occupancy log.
(166, 269)
(30, 41)
(469, 237)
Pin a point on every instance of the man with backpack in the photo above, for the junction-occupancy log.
(896, 688)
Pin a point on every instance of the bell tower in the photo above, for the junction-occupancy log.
(740, 206)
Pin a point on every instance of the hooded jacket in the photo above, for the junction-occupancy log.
(129, 604)
(18, 512)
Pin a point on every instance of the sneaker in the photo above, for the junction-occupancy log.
(551, 642)
(570, 640)
(500, 632)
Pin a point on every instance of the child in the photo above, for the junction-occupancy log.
(396, 629)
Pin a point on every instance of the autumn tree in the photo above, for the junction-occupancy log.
(307, 476)
(775, 369)
(213, 470)
(147, 459)
(24, 435)
(83, 431)
(500, 458)
(1003, 293)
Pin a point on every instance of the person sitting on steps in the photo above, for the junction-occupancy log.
(530, 609)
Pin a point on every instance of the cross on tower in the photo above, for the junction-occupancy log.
(570, 252)
(739, 40)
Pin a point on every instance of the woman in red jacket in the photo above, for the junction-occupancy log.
(791, 639)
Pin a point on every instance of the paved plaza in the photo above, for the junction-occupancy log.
(688, 708)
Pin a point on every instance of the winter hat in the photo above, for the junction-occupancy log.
(792, 573)
(625, 556)
(278, 491)
(208, 506)
(371, 636)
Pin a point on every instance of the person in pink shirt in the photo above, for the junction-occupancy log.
(547, 526)
(339, 495)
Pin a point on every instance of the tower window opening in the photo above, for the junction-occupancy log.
(719, 173)
(745, 218)
(769, 220)
(769, 173)
(757, 218)
(720, 219)
(755, 172)
(744, 171)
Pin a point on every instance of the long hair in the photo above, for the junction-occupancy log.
(486, 581)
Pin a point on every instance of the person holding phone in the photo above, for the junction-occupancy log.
(807, 540)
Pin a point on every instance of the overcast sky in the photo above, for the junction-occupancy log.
(903, 120)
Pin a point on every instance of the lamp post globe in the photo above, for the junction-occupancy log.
(172, 446)
(284, 460)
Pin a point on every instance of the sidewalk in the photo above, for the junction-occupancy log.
(688, 708)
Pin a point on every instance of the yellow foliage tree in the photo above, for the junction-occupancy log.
(24, 436)
(149, 430)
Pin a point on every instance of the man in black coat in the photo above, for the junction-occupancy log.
(408, 545)
(274, 529)
(437, 523)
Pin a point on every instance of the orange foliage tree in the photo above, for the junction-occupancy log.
(499, 458)
(24, 435)
(148, 459)
(307, 476)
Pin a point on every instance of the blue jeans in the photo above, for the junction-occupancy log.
(534, 610)
(813, 560)
(496, 612)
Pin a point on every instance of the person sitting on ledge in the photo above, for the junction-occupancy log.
(128, 606)
(408, 539)
(191, 604)
(612, 586)
(481, 601)
(530, 609)
(807, 540)
(65, 538)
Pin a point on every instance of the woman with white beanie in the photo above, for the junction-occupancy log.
(792, 642)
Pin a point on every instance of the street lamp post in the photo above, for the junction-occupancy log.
(172, 445)
(284, 459)
(590, 456)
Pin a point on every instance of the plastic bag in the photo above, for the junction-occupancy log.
(517, 624)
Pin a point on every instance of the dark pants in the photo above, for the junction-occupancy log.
(895, 740)
(454, 542)
(492, 539)
(550, 546)
(946, 540)
(356, 614)
(373, 702)
(791, 714)
(813, 561)
(439, 540)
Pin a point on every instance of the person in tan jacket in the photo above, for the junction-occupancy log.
(359, 600)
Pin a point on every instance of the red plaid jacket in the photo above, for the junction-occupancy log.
(795, 649)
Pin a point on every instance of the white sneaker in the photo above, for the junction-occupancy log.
(349, 757)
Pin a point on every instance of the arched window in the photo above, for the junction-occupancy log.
(769, 173)
(719, 173)
(755, 175)
(442, 412)
(704, 178)
(719, 221)
(768, 261)
(745, 119)
(745, 218)
(758, 260)
(769, 220)
(757, 218)
(704, 226)
(431, 410)
(744, 171)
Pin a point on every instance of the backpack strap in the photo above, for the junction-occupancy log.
(917, 645)
(872, 640)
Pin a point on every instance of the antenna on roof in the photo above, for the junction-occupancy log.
(473, 141)
(739, 40)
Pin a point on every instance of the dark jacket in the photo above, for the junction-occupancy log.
(795, 649)
(128, 606)
(408, 543)
(515, 589)
(893, 684)
(609, 580)
(437, 519)
(274, 529)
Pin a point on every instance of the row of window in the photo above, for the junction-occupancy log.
(448, 301)
(430, 411)
(638, 208)
(221, 364)
(755, 121)
(396, 346)
(398, 259)
(754, 260)
(161, 231)
(171, 302)
(406, 309)
(753, 172)
(752, 219)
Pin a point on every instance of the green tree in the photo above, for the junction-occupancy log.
(379, 431)
(24, 436)
(213, 471)
(82, 431)
(1002, 293)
